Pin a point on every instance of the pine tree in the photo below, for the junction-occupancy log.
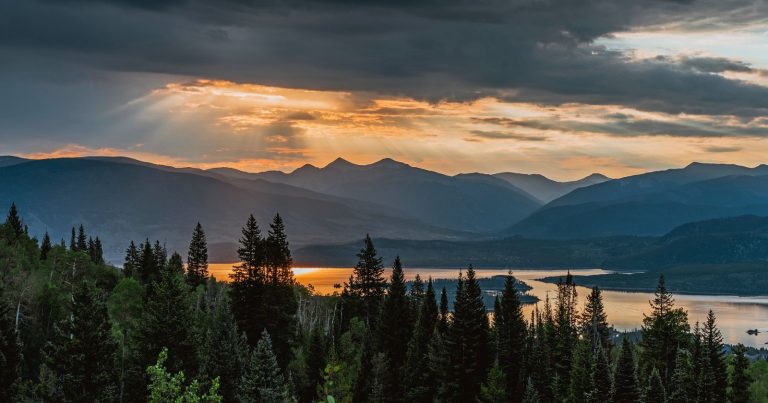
(716, 369)
(73, 241)
(176, 264)
(82, 239)
(46, 247)
(467, 338)
(442, 319)
(197, 258)
(581, 373)
(82, 357)
(263, 381)
(10, 355)
(419, 380)
(315, 362)
(251, 254)
(167, 323)
(493, 390)
(160, 256)
(601, 377)
(367, 285)
(415, 297)
(593, 322)
(132, 263)
(664, 331)
(224, 351)
(531, 395)
(740, 377)
(148, 270)
(14, 222)
(511, 333)
(655, 392)
(682, 379)
(564, 334)
(439, 364)
(98, 251)
(625, 386)
(394, 331)
(278, 254)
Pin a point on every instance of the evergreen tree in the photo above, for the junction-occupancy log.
(251, 254)
(625, 386)
(415, 297)
(394, 333)
(740, 377)
(563, 334)
(98, 251)
(14, 222)
(224, 351)
(132, 263)
(439, 363)
(593, 322)
(263, 382)
(511, 333)
(167, 323)
(149, 272)
(315, 362)
(442, 319)
(82, 239)
(664, 331)
(10, 355)
(467, 338)
(531, 395)
(278, 254)
(581, 374)
(367, 285)
(46, 247)
(175, 264)
(655, 392)
(197, 258)
(419, 379)
(715, 367)
(493, 390)
(601, 377)
(682, 379)
(160, 256)
(81, 359)
(73, 241)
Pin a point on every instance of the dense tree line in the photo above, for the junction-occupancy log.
(75, 329)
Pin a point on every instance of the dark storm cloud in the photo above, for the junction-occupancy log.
(521, 50)
(620, 125)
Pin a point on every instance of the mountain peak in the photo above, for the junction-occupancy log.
(340, 163)
(595, 176)
(388, 162)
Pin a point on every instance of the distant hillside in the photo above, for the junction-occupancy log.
(464, 202)
(722, 241)
(546, 189)
(651, 204)
(127, 201)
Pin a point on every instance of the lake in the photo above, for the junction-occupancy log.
(624, 309)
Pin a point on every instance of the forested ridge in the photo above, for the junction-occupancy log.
(75, 329)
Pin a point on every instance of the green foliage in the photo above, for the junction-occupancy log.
(682, 387)
(263, 380)
(593, 321)
(626, 388)
(419, 380)
(467, 339)
(197, 258)
(510, 330)
(365, 289)
(531, 395)
(166, 387)
(654, 392)
(81, 358)
(740, 378)
(394, 333)
(10, 354)
(493, 390)
(581, 386)
(665, 330)
(715, 370)
(602, 382)
(14, 222)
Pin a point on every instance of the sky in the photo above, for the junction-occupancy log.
(559, 87)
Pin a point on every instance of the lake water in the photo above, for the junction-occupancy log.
(624, 309)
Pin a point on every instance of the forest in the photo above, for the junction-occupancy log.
(74, 328)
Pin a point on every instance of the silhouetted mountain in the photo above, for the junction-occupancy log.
(653, 203)
(8, 160)
(123, 201)
(742, 239)
(477, 203)
(546, 189)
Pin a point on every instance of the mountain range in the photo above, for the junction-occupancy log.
(122, 199)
